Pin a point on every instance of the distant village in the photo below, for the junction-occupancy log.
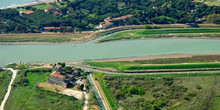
(107, 22)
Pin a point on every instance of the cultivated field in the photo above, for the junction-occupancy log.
(26, 95)
(164, 33)
(173, 92)
(194, 62)
(5, 78)
(44, 37)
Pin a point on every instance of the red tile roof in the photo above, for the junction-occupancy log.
(51, 7)
(28, 12)
(56, 13)
(58, 74)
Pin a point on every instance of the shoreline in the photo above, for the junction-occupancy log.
(90, 39)
(29, 4)
(130, 59)
(162, 56)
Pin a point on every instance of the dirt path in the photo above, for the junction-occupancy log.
(9, 88)
(86, 103)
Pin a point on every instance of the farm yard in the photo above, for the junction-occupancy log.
(177, 91)
(26, 95)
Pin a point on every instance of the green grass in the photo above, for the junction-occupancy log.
(174, 66)
(179, 91)
(122, 66)
(42, 6)
(36, 39)
(158, 33)
(25, 95)
(108, 95)
(5, 78)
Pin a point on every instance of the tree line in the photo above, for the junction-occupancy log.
(85, 14)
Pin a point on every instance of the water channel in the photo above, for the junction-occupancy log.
(115, 49)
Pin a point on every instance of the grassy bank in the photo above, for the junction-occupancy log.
(180, 91)
(42, 37)
(5, 78)
(194, 62)
(25, 95)
(164, 33)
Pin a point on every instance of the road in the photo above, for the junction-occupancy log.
(117, 73)
(9, 88)
(97, 93)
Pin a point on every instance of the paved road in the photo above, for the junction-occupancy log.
(116, 73)
(9, 88)
(98, 95)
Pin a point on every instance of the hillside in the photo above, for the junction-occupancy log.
(210, 2)
(77, 15)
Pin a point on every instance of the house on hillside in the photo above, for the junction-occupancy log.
(56, 13)
(49, 29)
(28, 12)
(51, 8)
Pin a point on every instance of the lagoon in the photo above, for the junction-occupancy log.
(115, 49)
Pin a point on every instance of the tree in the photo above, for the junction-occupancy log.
(124, 88)
(141, 92)
(133, 90)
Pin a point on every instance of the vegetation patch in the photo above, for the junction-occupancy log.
(26, 95)
(168, 63)
(164, 33)
(5, 78)
(162, 91)
(39, 37)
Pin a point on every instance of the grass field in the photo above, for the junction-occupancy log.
(43, 37)
(42, 6)
(5, 78)
(173, 91)
(25, 95)
(193, 62)
(164, 33)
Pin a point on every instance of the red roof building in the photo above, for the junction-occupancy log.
(58, 75)
(50, 8)
(56, 13)
(49, 28)
(28, 12)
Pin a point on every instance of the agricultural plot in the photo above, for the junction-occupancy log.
(26, 95)
(164, 33)
(173, 92)
(194, 62)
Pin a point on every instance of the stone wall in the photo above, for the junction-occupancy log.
(49, 80)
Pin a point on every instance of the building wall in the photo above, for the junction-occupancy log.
(52, 81)
(59, 70)
(59, 79)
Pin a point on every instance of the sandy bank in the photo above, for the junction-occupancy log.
(37, 2)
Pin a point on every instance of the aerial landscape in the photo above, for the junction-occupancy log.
(110, 55)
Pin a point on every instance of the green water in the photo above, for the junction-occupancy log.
(116, 49)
